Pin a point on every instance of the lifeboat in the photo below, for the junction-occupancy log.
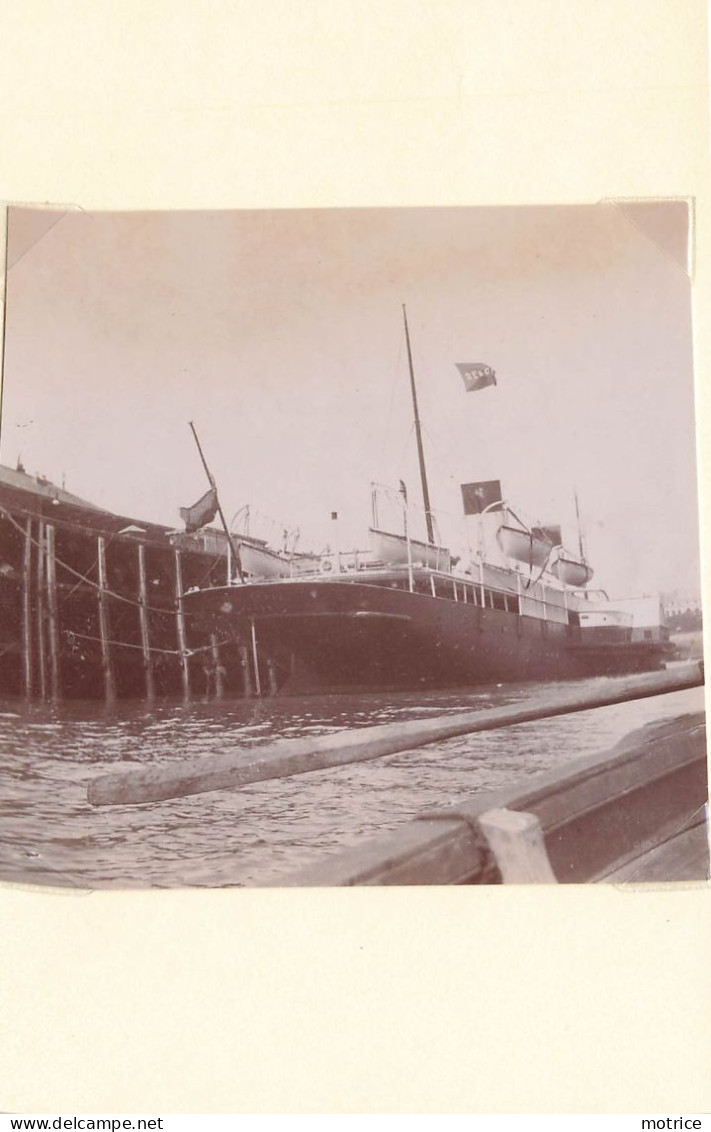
(572, 571)
(392, 548)
(523, 545)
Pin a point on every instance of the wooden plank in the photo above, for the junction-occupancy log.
(657, 758)
(626, 803)
(437, 850)
(301, 756)
(104, 624)
(27, 681)
(143, 618)
(52, 616)
(516, 840)
(682, 857)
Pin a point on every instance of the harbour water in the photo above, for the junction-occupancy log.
(50, 835)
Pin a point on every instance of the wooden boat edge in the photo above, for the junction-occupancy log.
(449, 846)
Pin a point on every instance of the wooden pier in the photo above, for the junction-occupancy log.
(91, 603)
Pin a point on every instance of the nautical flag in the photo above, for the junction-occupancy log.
(553, 535)
(200, 513)
(476, 497)
(403, 490)
(476, 375)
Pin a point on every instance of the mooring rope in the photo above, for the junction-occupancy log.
(71, 634)
(83, 578)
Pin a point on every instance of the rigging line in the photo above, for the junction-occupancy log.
(448, 473)
(534, 581)
(71, 634)
(394, 385)
(444, 467)
(209, 570)
(86, 578)
(207, 648)
(76, 574)
(442, 422)
(406, 443)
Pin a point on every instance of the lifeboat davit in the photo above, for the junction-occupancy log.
(523, 545)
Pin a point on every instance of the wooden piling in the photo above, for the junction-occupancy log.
(246, 677)
(255, 661)
(217, 670)
(27, 611)
(41, 611)
(180, 626)
(52, 616)
(143, 616)
(104, 625)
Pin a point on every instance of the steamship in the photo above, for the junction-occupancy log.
(405, 613)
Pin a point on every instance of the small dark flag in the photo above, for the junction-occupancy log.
(476, 497)
(403, 490)
(553, 535)
(200, 513)
(476, 375)
(334, 515)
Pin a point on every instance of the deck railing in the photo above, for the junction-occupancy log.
(536, 602)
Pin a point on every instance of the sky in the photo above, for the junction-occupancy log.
(280, 334)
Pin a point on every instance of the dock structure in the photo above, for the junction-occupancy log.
(91, 602)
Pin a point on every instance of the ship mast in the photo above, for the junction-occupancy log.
(230, 541)
(580, 529)
(418, 434)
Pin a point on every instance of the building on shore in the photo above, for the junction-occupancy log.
(683, 610)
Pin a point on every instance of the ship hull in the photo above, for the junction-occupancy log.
(322, 635)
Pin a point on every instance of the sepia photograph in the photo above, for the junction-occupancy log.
(350, 547)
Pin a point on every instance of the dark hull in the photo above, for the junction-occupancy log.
(327, 634)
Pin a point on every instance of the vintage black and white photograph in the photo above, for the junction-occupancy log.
(350, 547)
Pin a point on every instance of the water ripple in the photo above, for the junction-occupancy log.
(50, 835)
